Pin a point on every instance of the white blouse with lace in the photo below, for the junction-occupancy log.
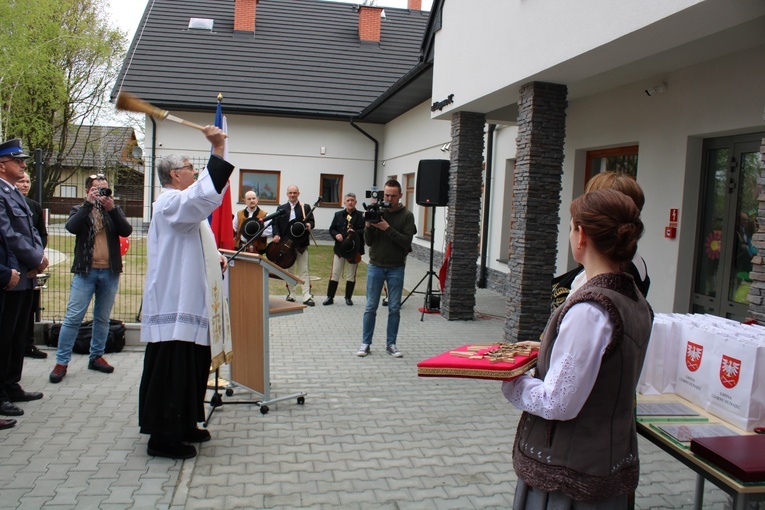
(585, 332)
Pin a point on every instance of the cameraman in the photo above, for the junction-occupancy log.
(389, 241)
(97, 225)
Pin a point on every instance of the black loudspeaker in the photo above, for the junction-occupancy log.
(433, 182)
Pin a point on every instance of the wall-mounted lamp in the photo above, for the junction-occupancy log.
(656, 89)
(323, 151)
(445, 147)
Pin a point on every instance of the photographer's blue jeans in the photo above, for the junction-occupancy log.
(102, 284)
(376, 277)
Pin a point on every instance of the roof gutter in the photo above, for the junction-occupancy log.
(377, 150)
(393, 89)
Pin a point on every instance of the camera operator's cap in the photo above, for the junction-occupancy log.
(13, 149)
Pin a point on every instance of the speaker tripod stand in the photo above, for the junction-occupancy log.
(432, 299)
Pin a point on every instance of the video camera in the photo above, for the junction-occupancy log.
(373, 212)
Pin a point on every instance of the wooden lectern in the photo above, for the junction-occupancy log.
(251, 308)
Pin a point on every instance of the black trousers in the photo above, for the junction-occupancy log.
(173, 387)
(14, 324)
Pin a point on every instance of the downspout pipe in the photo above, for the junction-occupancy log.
(377, 150)
(486, 206)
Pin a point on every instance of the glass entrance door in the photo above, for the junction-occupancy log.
(729, 205)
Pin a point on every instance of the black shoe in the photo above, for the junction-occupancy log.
(10, 409)
(348, 301)
(290, 299)
(58, 373)
(385, 302)
(100, 365)
(171, 450)
(25, 396)
(196, 435)
(6, 424)
(309, 302)
(33, 352)
(328, 301)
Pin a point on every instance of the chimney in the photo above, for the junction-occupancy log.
(244, 15)
(415, 5)
(369, 23)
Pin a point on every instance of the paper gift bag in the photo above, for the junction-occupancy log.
(737, 394)
(654, 356)
(695, 363)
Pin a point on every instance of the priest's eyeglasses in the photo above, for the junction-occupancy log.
(189, 166)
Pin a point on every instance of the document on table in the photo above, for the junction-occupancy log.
(664, 409)
(684, 433)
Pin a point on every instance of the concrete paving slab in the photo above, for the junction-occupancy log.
(371, 434)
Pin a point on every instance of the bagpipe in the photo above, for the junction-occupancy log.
(351, 243)
(284, 253)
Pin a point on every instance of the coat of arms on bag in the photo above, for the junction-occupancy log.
(730, 368)
(693, 354)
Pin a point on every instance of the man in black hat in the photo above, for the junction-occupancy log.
(347, 230)
(27, 257)
(285, 229)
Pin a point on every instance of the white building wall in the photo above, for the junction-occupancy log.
(482, 50)
(408, 139)
(701, 101)
(290, 146)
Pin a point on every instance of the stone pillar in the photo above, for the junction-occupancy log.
(536, 208)
(757, 290)
(464, 216)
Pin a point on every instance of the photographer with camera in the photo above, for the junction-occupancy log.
(97, 224)
(388, 231)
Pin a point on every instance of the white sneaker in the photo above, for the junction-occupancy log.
(363, 350)
(393, 351)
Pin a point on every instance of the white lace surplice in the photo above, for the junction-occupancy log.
(584, 334)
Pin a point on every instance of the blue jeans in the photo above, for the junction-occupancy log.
(102, 284)
(376, 276)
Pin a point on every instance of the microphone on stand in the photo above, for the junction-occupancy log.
(261, 228)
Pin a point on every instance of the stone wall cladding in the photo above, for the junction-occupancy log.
(536, 206)
(757, 290)
(464, 214)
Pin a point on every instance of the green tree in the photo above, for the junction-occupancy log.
(58, 59)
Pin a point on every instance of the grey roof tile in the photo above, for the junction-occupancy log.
(304, 59)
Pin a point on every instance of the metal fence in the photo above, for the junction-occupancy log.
(60, 249)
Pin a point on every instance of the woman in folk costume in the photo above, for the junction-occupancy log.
(184, 304)
(576, 442)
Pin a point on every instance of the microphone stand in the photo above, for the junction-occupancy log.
(269, 217)
(244, 246)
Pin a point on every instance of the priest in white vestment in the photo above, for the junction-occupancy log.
(181, 311)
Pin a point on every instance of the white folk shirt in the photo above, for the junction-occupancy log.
(173, 306)
(585, 332)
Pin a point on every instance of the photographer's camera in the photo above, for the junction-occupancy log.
(105, 192)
